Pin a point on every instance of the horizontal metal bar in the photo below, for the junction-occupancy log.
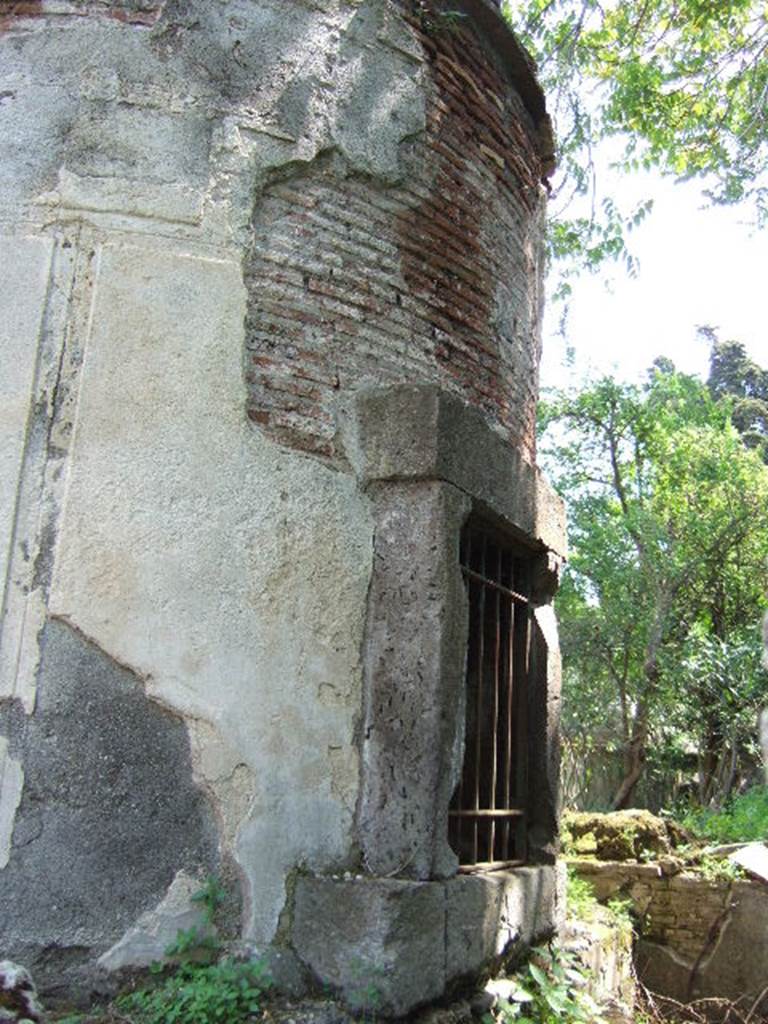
(520, 598)
(489, 865)
(508, 812)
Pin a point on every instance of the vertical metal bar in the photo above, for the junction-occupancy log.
(523, 734)
(467, 561)
(523, 645)
(479, 701)
(509, 714)
(495, 724)
(500, 653)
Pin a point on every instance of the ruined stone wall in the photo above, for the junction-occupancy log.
(220, 225)
(698, 938)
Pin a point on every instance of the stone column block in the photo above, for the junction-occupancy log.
(487, 913)
(379, 942)
(414, 680)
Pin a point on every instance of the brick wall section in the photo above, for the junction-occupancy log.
(133, 12)
(436, 280)
(678, 911)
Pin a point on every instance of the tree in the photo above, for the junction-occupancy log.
(682, 84)
(669, 530)
(734, 376)
(725, 686)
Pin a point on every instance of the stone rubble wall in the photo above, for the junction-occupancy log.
(697, 938)
(605, 950)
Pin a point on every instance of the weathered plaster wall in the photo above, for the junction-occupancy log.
(142, 513)
(218, 222)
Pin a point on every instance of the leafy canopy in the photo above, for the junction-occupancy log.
(682, 85)
(668, 515)
(735, 377)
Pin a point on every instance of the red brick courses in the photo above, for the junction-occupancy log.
(137, 12)
(435, 280)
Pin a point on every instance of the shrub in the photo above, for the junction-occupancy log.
(744, 819)
(550, 990)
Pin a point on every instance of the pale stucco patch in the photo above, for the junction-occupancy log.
(156, 930)
(11, 786)
(229, 575)
(25, 266)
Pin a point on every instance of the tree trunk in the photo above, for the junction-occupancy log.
(634, 759)
(635, 750)
(634, 762)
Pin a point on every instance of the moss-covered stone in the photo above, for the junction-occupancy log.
(619, 835)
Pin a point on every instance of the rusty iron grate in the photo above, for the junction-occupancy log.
(487, 819)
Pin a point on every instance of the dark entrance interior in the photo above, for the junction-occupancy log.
(487, 816)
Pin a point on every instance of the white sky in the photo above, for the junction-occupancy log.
(697, 266)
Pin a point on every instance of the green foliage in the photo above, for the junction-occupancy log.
(621, 910)
(211, 897)
(197, 944)
(743, 819)
(191, 945)
(724, 674)
(678, 85)
(224, 993)
(717, 869)
(189, 987)
(549, 990)
(735, 377)
(580, 897)
(667, 577)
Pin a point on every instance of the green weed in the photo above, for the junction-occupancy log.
(224, 993)
(717, 869)
(550, 990)
(198, 944)
(580, 897)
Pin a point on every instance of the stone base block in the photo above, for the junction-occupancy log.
(388, 946)
(489, 915)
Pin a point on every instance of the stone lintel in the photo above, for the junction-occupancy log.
(388, 946)
(421, 432)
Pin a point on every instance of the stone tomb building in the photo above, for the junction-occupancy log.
(277, 561)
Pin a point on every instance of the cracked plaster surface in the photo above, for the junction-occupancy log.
(180, 124)
(228, 576)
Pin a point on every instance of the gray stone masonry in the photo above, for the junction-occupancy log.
(383, 940)
(419, 432)
(430, 461)
(414, 677)
(388, 946)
